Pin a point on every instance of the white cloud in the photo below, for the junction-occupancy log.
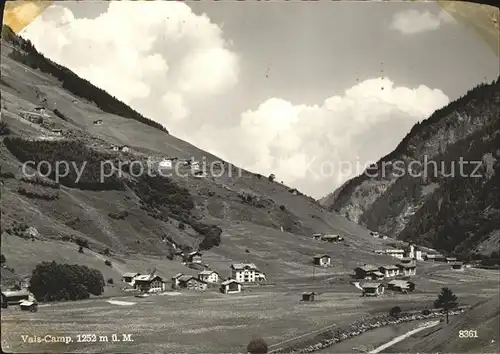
(158, 55)
(167, 62)
(413, 21)
(316, 148)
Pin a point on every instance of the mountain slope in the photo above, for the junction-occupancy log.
(233, 214)
(452, 213)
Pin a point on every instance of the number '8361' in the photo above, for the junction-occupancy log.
(469, 333)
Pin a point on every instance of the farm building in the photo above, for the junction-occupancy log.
(457, 266)
(31, 306)
(317, 236)
(401, 285)
(165, 163)
(129, 278)
(194, 257)
(40, 110)
(230, 286)
(149, 283)
(15, 297)
(124, 148)
(98, 122)
(407, 269)
(57, 131)
(435, 257)
(209, 276)
(331, 238)
(450, 259)
(322, 260)
(365, 271)
(397, 253)
(389, 270)
(372, 289)
(374, 234)
(244, 272)
(379, 251)
(376, 275)
(115, 148)
(308, 296)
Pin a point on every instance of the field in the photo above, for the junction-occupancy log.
(190, 322)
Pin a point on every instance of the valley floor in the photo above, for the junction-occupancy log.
(210, 322)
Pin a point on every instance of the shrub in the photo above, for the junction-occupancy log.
(106, 252)
(395, 311)
(80, 249)
(107, 262)
(4, 128)
(110, 281)
(82, 243)
(2, 259)
(282, 207)
(51, 281)
(271, 177)
(257, 346)
(182, 226)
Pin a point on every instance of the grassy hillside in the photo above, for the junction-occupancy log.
(235, 215)
(452, 213)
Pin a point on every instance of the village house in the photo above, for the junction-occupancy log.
(244, 272)
(57, 131)
(149, 283)
(376, 275)
(406, 260)
(365, 271)
(260, 276)
(322, 260)
(41, 110)
(189, 282)
(98, 122)
(230, 286)
(379, 251)
(403, 286)
(407, 269)
(129, 278)
(115, 148)
(308, 296)
(389, 270)
(209, 276)
(165, 164)
(194, 257)
(397, 253)
(372, 289)
(124, 148)
(374, 234)
(450, 259)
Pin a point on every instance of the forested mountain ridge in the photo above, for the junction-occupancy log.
(454, 213)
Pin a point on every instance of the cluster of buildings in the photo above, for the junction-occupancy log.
(241, 273)
(328, 237)
(409, 252)
(167, 163)
(40, 116)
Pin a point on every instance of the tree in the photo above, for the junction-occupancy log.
(107, 262)
(51, 281)
(80, 249)
(2, 259)
(106, 252)
(271, 177)
(257, 346)
(446, 300)
(110, 281)
(395, 311)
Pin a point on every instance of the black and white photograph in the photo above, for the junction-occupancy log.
(250, 177)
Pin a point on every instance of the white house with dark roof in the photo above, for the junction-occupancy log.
(407, 269)
(389, 270)
(244, 272)
(209, 276)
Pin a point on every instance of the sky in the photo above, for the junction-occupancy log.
(310, 91)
